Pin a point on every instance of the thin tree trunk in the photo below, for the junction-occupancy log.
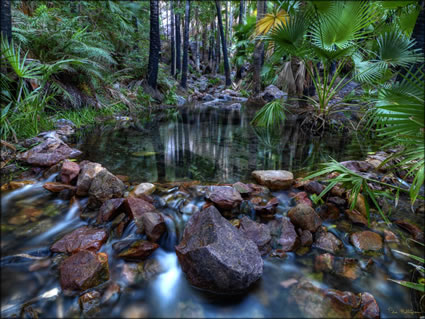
(217, 48)
(223, 44)
(205, 43)
(242, 11)
(230, 23)
(154, 44)
(226, 11)
(197, 54)
(6, 20)
(178, 44)
(173, 44)
(258, 52)
(185, 45)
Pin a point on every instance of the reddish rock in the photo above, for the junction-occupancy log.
(57, 187)
(324, 263)
(109, 209)
(69, 171)
(369, 308)
(306, 238)
(337, 191)
(337, 201)
(242, 188)
(269, 208)
(390, 237)
(89, 303)
(348, 268)
(327, 241)
(84, 270)
(152, 224)
(356, 217)
(224, 197)
(258, 233)
(314, 187)
(87, 173)
(139, 250)
(366, 240)
(301, 198)
(414, 230)
(328, 211)
(275, 180)
(83, 238)
(136, 207)
(305, 217)
(288, 238)
(300, 182)
(105, 186)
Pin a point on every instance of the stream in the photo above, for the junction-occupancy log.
(208, 146)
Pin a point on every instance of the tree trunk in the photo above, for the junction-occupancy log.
(6, 20)
(197, 53)
(173, 43)
(185, 45)
(217, 49)
(178, 44)
(205, 43)
(242, 11)
(418, 30)
(258, 52)
(226, 21)
(223, 44)
(154, 44)
(230, 23)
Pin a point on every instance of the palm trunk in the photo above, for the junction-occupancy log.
(6, 20)
(154, 44)
(223, 45)
(173, 44)
(242, 11)
(178, 44)
(258, 52)
(185, 45)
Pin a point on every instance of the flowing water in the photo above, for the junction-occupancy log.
(209, 146)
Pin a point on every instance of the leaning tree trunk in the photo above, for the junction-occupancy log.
(178, 44)
(6, 20)
(258, 51)
(173, 43)
(185, 45)
(154, 44)
(223, 44)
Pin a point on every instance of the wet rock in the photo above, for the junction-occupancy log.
(258, 233)
(152, 224)
(105, 186)
(272, 93)
(288, 238)
(48, 153)
(66, 194)
(306, 238)
(89, 303)
(304, 217)
(337, 191)
(189, 209)
(224, 197)
(143, 189)
(348, 268)
(110, 209)
(69, 171)
(337, 201)
(136, 207)
(25, 215)
(84, 270)
(215, 257)
(314, 187)
(88, 172)
(274, 179)
(328, 212)
(390, 237)
(83, 238)
(356, 217)
(358, 166)
(150, 268)
(55, 187)
(414, 230)
(15, 185)
(327, 241)
(324, 263)
(315, 302)
(366, 240)
(369, 308)
(268, 209)
(301, 198)
(360, 203)
(111, 294)
(139, 250)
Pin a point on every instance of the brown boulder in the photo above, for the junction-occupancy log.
(152, 224)
(139, 250)
(356, 217)
(324, 262)
(301, 198)
(136, 207)
(258, 233)
(105, 186)
(57, 187)
(274, 179)
(242, 188)
(84, 270)
(215, 257)
(88, 171)
(304, 217)
(224, 197)
(69, 171)
(348, 268)
(314, 187)
(109, 209)
(83, 238)
(366, 240)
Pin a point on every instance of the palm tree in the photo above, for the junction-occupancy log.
(178, 43)
(223, 44)
(259, 49)
(6, 20)
(185, 45)
(154, 44)
(173, 43)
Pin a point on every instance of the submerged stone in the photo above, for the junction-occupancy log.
(366, 240)
(305, 217)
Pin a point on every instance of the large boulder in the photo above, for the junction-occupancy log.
(305, 217)
(214, 255)
(258, 233)
(48, 153)
(104, 186)
(88, 171)
(152, 224)
(83, 238)
(109, 210)
(69, 171)
(275, 180)
(272, 93)
(84, 270)
(224, 197)
(327, 241)
(288, 237)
